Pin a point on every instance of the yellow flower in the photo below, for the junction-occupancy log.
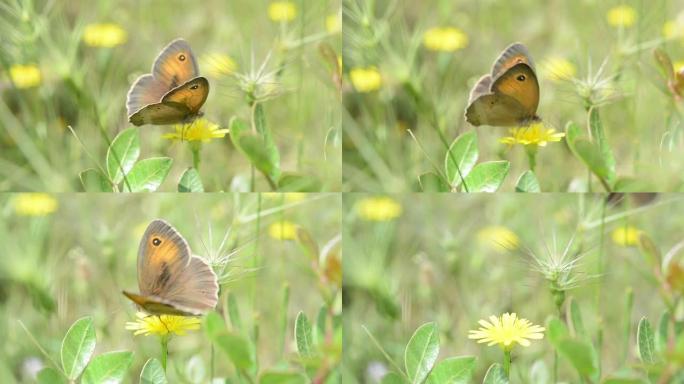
(34, 204)
(447, 39)
(626, 236)
(534, 134)
(498, 238)
(558, 69)
(506, 330)
(365, 80)
(283, 230)
(105, 35)
(621, 16)
(381, 208)
(218, 64)
(678, 65)
(282, 11)
(162, 325)
(25, 76)
(199, 130)
(333, 23)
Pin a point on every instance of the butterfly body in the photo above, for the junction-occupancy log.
(509, 96)
(172, 93)
(172, 281)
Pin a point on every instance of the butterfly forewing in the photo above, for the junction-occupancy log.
(145, 91)
(520, 83)
(199, 289)
(513, 54)
(192, 94)
(175, 65)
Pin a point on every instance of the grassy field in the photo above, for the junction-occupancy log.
(586, 270)
(67, 67)
(411, 65)
(73, 255)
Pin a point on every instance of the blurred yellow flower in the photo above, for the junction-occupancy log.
(218, 64)
(105, 35)
(333, 23)
(446, 39)
(621, 16)
(25, 76)
(534, 134)
(365, 80)
(678, 65)
(558, 69)
(162, 325)
(380, 208)
(498, 238)
(34, 204)
(507, 330)
(199, 130)
(283, 230)
(627, 236)
(282, 11)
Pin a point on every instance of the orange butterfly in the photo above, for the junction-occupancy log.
(173, 93)
(509, 96)
(171, 280)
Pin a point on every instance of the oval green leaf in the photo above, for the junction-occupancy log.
(294, 182)
(581, 354)
(527, 183)
(237, 347)
(495, 375)
(153, 373)
(148, 174)
(50, 376)
(190, 181)
(122, 154)
(646, 342)
(488, 176)
(77, 347)
(94, 181)
(392, 378)
(462, 155)
(431, 182)
(454, 370)
(303, 335)
(421, 352)
(110, 367)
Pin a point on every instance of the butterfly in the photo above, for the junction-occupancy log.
(172, 281)
(509, 96)
(173, 93)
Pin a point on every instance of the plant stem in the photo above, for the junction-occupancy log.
(164, 350)
(507, 363)
(531, 151)
(195, 148)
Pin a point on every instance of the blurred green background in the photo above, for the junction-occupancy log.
(67, 256)
(60, 67)
(425, 57)
(418, 258)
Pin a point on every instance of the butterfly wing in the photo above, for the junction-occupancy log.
(482, 87)
(520, 83)
(515, 53)
(197, 288)
(175, 65)
(160, 114)
(192, 94)
(495, 110)
(158, 306)
(145, 90)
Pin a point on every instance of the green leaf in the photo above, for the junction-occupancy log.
(599, 136)
(237, 347)
(282, 377)
(431, 182)
(50, 376)
(213, 324)
(576, 317)
(488, 176)
(147, 175)
(421, 352)
(590, 154)
(663, 332)
(122, 154)
(623, 380)
(556, 330)
(77, 347)
(94, 181)
(190, 181)
(581, 354)
(646, 342)
(265, 132)
(263, 156)
(392, 378)
(110, 367)
(234, 312)
(454, 370)
(153, 373)
(527, 183)
(495, 375)
(303, 335)
(539, 373)
(462, 154)
(293, 182)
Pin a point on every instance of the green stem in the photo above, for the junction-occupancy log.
(195, 147)
(164, 350)
(531, 151)
(507, 363)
